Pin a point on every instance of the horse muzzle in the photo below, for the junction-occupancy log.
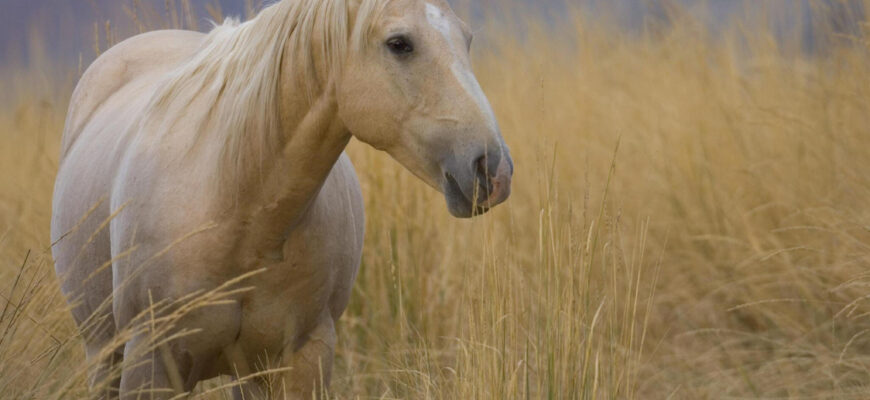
(473, 188)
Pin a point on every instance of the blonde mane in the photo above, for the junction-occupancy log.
(234, 76)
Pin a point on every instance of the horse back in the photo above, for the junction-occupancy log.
(140, 57)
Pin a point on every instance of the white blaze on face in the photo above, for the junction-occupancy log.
(438, 20)
(466, 79)
(472, 87)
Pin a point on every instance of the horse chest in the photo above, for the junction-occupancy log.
(286, 301)
(312, 281)
(306, 278)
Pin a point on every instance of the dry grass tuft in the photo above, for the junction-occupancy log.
(689, 220)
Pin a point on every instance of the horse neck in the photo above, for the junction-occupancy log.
(314, 138)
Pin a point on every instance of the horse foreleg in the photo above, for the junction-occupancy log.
(254, 389)
(149, 373)
(311, 364)
(247, 388)
(104, 377)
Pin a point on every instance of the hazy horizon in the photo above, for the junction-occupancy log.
(64, 30)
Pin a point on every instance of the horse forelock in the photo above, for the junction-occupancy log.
(229, 91)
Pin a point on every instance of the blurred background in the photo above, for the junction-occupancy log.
(66, 27)
(689, 217)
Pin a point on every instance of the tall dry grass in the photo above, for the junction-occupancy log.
(689, 220)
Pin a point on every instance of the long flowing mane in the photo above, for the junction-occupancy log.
(234, 76)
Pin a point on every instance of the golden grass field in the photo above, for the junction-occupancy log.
(690, 219)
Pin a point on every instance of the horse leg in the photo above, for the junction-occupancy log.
(247, 389)
(104, 357)
(150, 373)
(103, 377)
(309, 368)
(253, 389)
(311, 364)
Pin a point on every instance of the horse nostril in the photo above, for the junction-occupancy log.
(483, 172)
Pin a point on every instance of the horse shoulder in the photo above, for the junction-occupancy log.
(138, 57)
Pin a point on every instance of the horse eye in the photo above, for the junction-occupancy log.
(400, 46)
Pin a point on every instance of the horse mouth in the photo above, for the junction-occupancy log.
(458, 203)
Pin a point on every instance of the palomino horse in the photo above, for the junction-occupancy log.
(190, 160)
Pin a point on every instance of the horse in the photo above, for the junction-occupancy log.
(194, 163)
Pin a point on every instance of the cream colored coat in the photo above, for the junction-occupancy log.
(161, 194)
